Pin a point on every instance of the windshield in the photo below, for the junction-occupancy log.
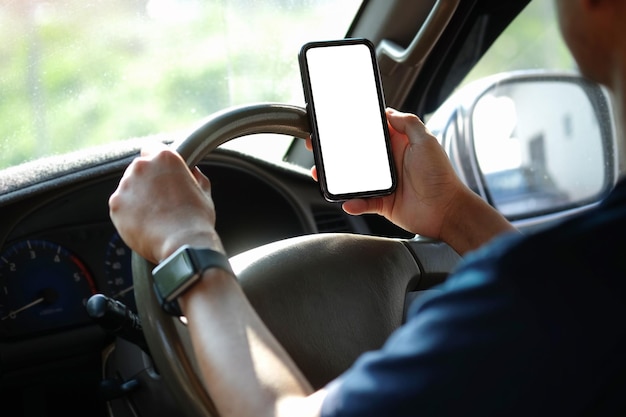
(78, 73)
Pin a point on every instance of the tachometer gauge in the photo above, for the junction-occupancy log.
(42, 287)
(117, 266)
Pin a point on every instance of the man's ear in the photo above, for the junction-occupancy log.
(602, 13)
(600, 5)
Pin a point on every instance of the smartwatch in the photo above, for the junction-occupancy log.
(179, 271)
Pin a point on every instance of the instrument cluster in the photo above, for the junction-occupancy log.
(62, 248)
(45, 282)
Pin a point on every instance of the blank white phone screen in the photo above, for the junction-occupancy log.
(348, 116)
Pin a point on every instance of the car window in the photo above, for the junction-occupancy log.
(78, 73)
(531, 42)
(539, 141)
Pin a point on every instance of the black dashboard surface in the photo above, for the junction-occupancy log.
(58, 247)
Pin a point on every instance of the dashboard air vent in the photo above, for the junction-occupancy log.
(331, 221)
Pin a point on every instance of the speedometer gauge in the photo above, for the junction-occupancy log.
(42, 287)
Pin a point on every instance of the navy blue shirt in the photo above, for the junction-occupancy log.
(527, 326)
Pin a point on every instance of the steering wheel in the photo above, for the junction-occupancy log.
(326, 297)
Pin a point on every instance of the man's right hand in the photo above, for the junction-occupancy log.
(430, 199)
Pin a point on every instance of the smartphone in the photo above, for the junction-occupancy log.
(346, 108)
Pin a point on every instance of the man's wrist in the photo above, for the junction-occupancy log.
(183, 269)
(196, 239)
(471, 222)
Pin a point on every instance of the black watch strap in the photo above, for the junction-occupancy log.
(181, 270)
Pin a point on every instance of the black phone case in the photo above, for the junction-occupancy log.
(310, 108)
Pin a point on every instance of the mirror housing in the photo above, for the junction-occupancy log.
(531, 143)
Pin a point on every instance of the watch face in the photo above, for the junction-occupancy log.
(174, 274)
(184, 267)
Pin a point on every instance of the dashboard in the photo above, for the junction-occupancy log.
(58, 248)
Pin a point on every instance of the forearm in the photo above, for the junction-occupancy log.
(245, 369)
(471, 222)
(161, 205)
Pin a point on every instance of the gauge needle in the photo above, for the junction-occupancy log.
(123, 292)
(49, 295)
(26, 307)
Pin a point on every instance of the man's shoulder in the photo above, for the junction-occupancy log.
(578, 262)
(586, 241)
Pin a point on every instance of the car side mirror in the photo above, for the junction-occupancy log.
(531, 143)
